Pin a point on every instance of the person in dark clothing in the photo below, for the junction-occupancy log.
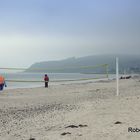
(46, 80)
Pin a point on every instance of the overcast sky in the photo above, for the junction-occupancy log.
(41, 30)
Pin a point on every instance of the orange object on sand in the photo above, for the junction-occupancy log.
(1, 79)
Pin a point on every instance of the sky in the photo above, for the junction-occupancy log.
(44, 30)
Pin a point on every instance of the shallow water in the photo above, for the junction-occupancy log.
(55, 78)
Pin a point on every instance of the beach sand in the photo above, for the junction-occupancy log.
(82, 111)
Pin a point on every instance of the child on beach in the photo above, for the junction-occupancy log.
(46, 79)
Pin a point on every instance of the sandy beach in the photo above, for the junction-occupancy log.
(78, 111)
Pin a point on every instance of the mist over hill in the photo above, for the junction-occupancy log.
(127, 63)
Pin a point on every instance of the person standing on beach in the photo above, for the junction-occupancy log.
(2, 82)
(46, 80)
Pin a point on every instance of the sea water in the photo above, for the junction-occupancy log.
(36, 79)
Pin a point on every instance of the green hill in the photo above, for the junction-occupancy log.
(127, 63)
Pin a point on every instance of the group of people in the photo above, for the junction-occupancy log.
(3, 83)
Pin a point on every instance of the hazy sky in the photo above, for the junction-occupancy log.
(41, 30)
